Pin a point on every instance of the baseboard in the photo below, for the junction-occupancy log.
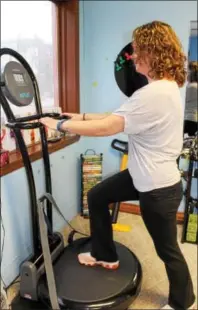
(135, 209)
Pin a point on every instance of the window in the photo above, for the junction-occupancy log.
(193, 42)
(49, 28)
(46, 33)
(27, 27)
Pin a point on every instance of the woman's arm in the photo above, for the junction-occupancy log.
(87, 116)
(95, 116)
(108, 126)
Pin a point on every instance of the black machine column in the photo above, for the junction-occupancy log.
(121, 146)
(19, 87)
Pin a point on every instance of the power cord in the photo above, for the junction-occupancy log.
(2, 248)
(53, 202)
(78, 232)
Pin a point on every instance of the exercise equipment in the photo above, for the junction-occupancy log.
(190, 226)
(121, 146)
(52, 277)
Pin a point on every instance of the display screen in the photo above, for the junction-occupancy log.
(19, 79)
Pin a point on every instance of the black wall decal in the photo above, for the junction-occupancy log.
(128, 80)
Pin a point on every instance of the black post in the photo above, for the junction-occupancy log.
(188, 191)
(29, 173)
(47, 170)
(121, 146)
(115, 212)
(23, 149)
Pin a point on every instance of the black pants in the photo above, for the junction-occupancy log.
(158, 209)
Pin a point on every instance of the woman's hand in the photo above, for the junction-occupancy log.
(49, 122)
(74, 116)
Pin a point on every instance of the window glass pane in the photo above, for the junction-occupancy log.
(27, 27)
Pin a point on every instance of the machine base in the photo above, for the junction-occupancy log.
(82, 288)
(25, 304)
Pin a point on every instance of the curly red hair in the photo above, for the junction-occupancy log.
(158, 43)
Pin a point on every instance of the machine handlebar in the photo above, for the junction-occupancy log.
(22, 122)
(119, 145)
(14, 125)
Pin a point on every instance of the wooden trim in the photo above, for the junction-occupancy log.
(135, 209)
(66, 39)
(35, 153)
(130, 208)
(180, 217)
(55, 54)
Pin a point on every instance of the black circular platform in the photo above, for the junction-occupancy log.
(83, 287)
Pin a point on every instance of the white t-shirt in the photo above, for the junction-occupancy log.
(154, 124)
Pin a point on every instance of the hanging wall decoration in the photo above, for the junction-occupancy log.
(128, 80)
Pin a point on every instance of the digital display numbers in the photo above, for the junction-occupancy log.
(19, 79)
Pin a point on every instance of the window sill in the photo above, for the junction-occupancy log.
(35, 153)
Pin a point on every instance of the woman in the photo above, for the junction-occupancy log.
(153, 120)
(191, 113)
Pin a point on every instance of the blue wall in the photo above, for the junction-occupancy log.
(105, 28)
